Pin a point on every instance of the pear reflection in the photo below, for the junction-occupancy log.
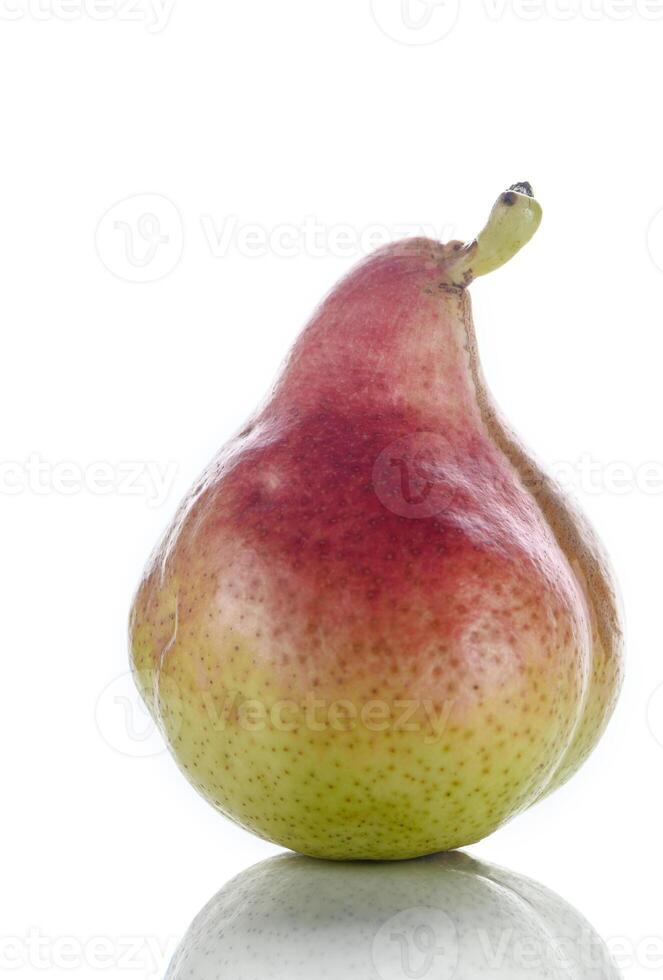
(448, 917)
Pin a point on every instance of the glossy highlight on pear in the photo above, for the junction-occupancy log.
(292, 918)
(376, 629)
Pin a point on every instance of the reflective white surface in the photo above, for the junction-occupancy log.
(256, 121)
(442, 918)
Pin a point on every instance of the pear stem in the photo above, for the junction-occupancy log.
(514, 219)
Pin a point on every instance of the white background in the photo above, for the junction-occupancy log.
(273, 119)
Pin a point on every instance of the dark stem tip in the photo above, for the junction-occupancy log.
(523, 187)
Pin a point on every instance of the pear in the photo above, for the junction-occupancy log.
(376, 629)
(292, 918)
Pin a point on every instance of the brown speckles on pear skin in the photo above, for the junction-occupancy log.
(286, 577)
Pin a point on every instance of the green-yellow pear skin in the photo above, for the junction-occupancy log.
(375, 629)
